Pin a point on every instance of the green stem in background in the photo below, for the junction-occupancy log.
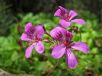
(48, 34)
(53, 41)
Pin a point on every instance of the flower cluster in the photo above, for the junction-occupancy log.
(64, 46)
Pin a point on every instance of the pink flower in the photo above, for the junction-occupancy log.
(65, 46)
(33, 35)
(67, 17)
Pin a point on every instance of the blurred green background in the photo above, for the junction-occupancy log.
(14, 14)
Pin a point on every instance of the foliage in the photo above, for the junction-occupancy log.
(12, 50)
(6, 18)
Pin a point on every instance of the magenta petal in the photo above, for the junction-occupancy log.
(57, 33)
(72, 14)
(28, 26)
(24, 37)
(29, 51)
(79, 21)
(81, 46)
(64, 23)
(58, 13)
(39, 30)
(58, 51)
(71, 59)
(39, 47)
(63, 9)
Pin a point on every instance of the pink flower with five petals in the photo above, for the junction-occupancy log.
(65, 46)
(33, 35)
(67, 17)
